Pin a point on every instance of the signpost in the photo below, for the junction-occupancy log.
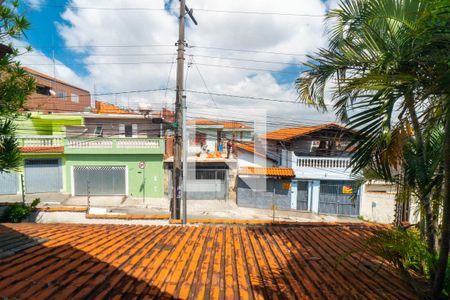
(141, 166)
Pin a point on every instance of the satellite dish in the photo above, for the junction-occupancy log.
(52, 92)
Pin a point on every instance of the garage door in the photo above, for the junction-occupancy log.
(339, 198)
(208, 184)
(43, 175)
(100, 181)
(9, 183)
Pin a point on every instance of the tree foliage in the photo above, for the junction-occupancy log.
(388, 62)
(15, 83)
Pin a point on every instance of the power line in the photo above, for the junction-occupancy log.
(244, 50)
(195, 9)
(166, 63)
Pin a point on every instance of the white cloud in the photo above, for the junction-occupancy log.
(264, 33)
(35, 4)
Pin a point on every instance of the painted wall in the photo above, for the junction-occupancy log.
(154, 172)
(39, 124)
(246, 159)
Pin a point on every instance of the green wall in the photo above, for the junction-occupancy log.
(40, 124)
(154, 172)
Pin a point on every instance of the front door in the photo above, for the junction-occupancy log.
(302, 195)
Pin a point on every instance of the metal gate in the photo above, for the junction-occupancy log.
(302, 195)
(9, 183)
(99, 181)
(43, 175)
(263, 193)
(208, 184)
(339, 198)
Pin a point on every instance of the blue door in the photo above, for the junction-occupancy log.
(43, 175)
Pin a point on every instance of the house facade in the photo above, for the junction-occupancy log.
(56, 96)
(62, 153)
(323, 182)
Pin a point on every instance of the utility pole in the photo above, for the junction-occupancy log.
(179, 192)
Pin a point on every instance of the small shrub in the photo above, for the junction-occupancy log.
(403, 248)
(17, 212)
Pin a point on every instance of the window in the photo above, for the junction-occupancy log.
(75, 98)
(62, 95)
(43, 90)
(99, 131)
(200, 138)
(128, 130)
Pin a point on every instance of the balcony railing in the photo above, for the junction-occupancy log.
(95, 145)
(41, 141)
(323, 162)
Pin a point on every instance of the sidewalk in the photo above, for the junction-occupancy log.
(197, 209)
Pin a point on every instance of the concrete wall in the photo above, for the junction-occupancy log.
(247, 159)
(154, 173)
(378, 207)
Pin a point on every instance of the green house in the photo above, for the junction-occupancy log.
(70, 154)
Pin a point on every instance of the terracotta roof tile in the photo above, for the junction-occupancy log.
(42, 149)
(120, 261)
(107, 108)
(286, 134)
(225, 124)
(282, 172)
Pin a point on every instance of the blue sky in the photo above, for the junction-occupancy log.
(224, 71)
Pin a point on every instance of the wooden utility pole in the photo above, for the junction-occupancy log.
(180, 105)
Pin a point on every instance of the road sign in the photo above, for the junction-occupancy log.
(141, 165)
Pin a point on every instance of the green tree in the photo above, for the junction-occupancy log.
(389, 61)
(15, 84)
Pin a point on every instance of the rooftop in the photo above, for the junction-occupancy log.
(223, 124)
(107, 108)
(286, 134)
(48, 77)
(70, 261)
(280, 172)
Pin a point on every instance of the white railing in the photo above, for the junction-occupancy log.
(89, 143)
(323, 162)
(40, 141)
(137, 143)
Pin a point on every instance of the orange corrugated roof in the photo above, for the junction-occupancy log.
(286, 134)
(77, 261)
(107, 108)
(282, 172)
(42, 149)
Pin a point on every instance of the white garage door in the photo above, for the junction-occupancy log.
(99, 181)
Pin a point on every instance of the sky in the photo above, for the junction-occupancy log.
(126, 50)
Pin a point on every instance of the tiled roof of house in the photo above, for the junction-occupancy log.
(75, 261)
(59, 149)
(107, 108)
(281, 172)
(251, 149)
(225, 124)
(286, 134)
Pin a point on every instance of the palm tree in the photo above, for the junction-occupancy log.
(387, 78)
